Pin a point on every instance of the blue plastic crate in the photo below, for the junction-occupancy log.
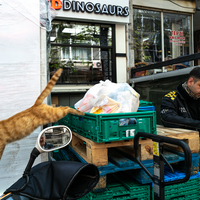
(147, 108)
(146, 105)
(188, 190)
(177, 175)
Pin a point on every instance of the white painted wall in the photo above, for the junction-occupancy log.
(121, 48)
(20, 78)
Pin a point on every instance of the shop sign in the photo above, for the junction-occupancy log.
(177, 38)
(77, 6)
(81, 9)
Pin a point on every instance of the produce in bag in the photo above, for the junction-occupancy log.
(109, 97)
(109, 106)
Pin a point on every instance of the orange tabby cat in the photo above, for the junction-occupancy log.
(24, 123)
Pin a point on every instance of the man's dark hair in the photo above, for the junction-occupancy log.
(195, 74)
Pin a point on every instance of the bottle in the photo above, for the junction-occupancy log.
(132, 121)
(123, 122)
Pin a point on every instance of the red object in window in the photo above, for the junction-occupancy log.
(141, 73)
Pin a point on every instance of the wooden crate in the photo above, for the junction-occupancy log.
(97, 153)
(92, 152)
(145, 151)
(120, 161)
(190, 137)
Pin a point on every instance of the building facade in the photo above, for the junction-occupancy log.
(96, 41)
(92, 41)
(162, 30)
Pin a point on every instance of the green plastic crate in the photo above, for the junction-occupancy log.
(184, 195)
(107, 128)
(145, 103)
(120, 187)
(146, 106)
(191, 194)
(188, 190)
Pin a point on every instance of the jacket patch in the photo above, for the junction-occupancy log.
(182, 109)
(171, 95)
(163, 111)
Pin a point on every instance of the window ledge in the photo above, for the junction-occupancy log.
(70, 88)
(162, 75)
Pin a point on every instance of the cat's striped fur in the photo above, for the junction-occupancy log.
(24, 123)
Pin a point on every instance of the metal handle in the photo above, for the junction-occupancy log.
(158, 138)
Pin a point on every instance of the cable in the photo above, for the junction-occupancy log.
(180, 5)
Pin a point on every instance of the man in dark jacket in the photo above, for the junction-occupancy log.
(43, 143)
(181, 108)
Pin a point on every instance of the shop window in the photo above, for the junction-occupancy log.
(83, 50)
(146, 30)
(148, 36)
(178, 35)
(80, 52)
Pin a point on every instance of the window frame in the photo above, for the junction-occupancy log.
(191, 43)
(108, 48)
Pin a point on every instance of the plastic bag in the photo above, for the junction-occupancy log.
(106, 105)
(109, 97)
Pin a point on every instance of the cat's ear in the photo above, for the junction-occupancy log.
(2, 147)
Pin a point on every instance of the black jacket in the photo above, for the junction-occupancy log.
(48, 146)
(179, 110)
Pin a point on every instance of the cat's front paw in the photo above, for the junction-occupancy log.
(80, 113)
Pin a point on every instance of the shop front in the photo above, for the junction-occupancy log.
(88, 40)
(162, 30)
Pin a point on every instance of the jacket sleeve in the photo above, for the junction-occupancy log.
(170, 117)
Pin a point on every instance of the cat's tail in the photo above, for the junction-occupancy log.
(48, 88)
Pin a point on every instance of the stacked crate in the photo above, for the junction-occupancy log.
(111, 127)
(145, 105)
(121, 187)
(115, 126)
(97, 137)
(106, 141)
(189, 190)
(190, 137)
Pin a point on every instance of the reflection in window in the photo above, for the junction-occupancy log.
(77, 48)
(81, 52)
(177, 31)
(66, 53)
(149, 41)
(81, 33)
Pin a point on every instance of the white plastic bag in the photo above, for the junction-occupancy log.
(106, 105)
(109, 97)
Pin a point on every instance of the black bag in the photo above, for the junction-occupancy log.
(57, 180)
